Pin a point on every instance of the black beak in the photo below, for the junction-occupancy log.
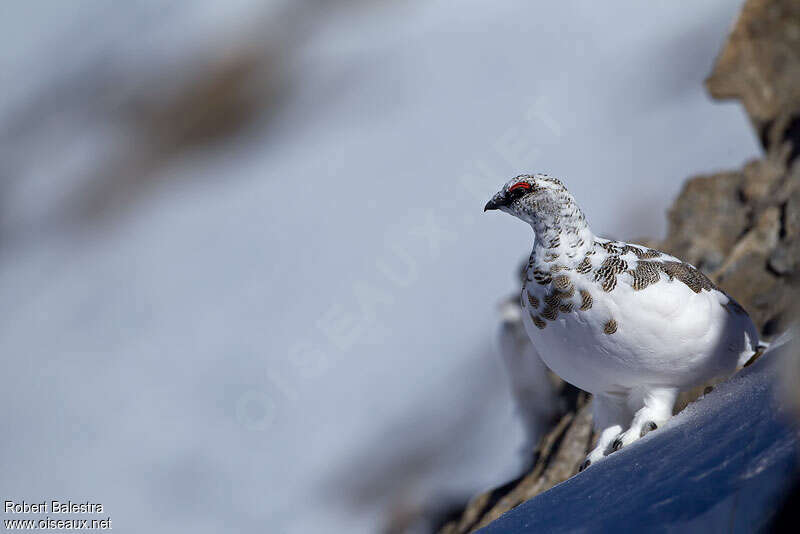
(495, 203)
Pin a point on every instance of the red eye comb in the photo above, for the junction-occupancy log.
(519, 185)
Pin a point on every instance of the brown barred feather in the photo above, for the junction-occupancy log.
(640, 252)
(610, 247)
(610, 327)
(586, 299)
(646, 273)
(609, 283)
(615, 264)
(628, 248)
(606, 277)
(561, 282)
(552, 300)
(694, 279)
(584, 266)
(564, 294)
(607, 273)
(541, 277)
(550, 313)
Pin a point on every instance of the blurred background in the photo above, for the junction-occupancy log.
(247, 283)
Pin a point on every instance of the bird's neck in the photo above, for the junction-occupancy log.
(561, 233)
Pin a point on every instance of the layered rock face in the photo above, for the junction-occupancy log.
(741, 227)
(759, 66)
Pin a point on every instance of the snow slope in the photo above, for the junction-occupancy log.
(720, 465)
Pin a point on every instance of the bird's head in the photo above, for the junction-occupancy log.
(530, 197)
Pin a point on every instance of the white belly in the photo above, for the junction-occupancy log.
(666, 335)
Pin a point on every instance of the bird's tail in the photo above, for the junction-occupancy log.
(760, 350)
(763, 346)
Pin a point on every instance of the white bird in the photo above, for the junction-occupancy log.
(629, 324)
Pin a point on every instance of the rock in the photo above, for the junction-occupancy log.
(717, 201)
(792, 213)
(558, 456)
(784, 258)
(744, 273)
(759, 66)
(760, 177)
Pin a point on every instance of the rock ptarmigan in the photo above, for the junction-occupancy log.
(629, 324)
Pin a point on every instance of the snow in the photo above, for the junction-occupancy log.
(301, 319)
(720, 465)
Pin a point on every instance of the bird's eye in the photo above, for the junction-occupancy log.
(519, 186)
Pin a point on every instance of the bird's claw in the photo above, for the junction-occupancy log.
(647, 427)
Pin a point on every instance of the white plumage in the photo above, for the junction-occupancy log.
(631, 325)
